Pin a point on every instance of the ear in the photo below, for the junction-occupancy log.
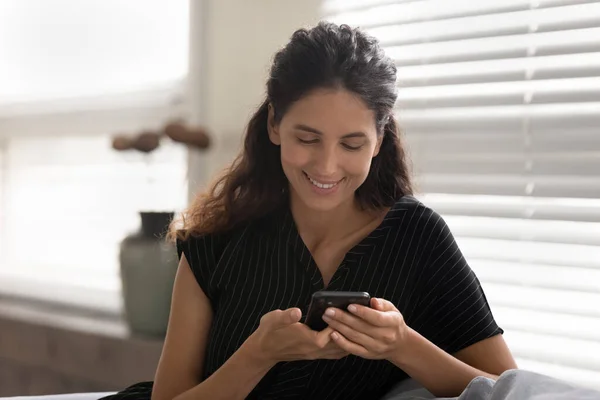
(273, 127)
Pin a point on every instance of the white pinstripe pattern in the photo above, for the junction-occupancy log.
(225, 316)
(402, 251)
(414, 255)
(233, 298)
(413, 303)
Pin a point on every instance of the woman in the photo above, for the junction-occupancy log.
(320, 197)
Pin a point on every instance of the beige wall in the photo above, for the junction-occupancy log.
(234, 40)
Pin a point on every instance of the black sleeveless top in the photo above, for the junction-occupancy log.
(411, 259)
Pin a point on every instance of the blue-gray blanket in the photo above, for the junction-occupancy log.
(512, 385)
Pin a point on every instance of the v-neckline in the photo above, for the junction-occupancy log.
(352, 257)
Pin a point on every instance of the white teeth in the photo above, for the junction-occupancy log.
(321, 185)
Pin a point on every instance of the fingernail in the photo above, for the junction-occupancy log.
(330, 312)
(352, 308)
(326, 318)
(335, 336)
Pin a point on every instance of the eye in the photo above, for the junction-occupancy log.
(352, 148)
(303, 141)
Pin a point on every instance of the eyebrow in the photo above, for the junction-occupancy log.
(313, 130)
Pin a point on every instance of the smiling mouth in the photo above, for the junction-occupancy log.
(321, 185)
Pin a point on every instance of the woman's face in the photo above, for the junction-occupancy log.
(328, 139)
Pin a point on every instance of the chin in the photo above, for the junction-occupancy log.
(321, 205)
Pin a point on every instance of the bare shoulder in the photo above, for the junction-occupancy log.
(181, 362)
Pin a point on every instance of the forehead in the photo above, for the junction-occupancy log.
(335, 111)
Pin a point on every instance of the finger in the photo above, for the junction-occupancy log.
(349, 346)
(346, 318)
(375, 317)
(278, 318)
(382, 305)
(323, 337)
(331, 350)
(365, 339)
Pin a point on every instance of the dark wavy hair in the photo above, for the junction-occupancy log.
(325, 56)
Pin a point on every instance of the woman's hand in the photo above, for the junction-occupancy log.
(281, 337)
(374, 333)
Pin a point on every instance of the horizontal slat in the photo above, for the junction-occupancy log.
(552, 139)
(582, 354)
(496, 24)
(539, 67)
(500, 117)
(541, 145)
(577, 376)
(544, 43)
(412, 11)
(537, 299)
(428, 145)
(510, 185)
(565, 164)
(531, 252)
(415, 10)
(332, 7)
(559, 3)
(566, 209)
(473, 164)
(568, 232)
(548, 323)
(559, 277)
(495, 93)
(517, 162)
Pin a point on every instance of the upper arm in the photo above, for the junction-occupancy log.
(182, 360)
(490, 355)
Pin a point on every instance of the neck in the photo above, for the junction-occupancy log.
(323, 226)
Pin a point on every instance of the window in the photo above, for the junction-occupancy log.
(72, 75)
(500, 102)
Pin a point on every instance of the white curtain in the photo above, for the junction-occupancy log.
(500, 102)
(72, 74)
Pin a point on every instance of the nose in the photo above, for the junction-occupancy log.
(327, 161)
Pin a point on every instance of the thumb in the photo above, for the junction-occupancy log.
(292, 315)
(279, 319)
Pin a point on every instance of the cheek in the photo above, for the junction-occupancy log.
(294, 156)
(358, 165)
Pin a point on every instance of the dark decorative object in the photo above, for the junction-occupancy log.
(148, 266)
(148, 262)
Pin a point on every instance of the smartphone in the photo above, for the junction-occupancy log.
(322, 300)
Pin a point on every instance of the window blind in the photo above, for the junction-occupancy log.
(72, 74)
(500, 104)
